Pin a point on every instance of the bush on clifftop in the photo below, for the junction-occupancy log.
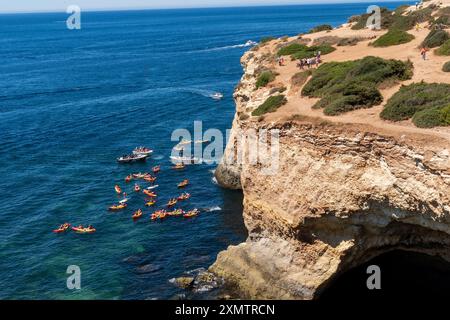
(322, 27)
(426, 103)
(300, 51)
(444, 49)
(265, 78)
(270, 105)
(393, 37)
(446, 67)
(435, 38)
(350, 85)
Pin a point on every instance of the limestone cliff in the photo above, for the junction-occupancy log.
(345, 192)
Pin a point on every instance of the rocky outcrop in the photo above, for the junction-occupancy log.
(342, 195)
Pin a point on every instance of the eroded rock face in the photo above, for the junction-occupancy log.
(342, 195)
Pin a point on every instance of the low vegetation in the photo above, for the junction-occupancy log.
(265, 78)
(353, 41)
(396, 19)
(443, 18)
(299, 79)
(435, 38)
(446, 67)
(444, 49)
(351, 85)
(393, 37)
(322, 27)
(300, 51)
(427, 104)
(270, 105)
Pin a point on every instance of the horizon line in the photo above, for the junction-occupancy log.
(118, 9)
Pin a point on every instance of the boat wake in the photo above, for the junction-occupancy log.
(212, 209)
(249, 43)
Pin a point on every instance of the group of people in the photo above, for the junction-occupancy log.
(310, 62)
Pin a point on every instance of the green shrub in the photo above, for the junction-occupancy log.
(300, 51)
(446, 67)
(396, 20)
(393, 37)
(270, 105)
(300, 78)
(428, 118)
(444, 49)
(264, 78)
(435, 38)
(445, 115)
(350, 85)
(322, 27)
(417, 97)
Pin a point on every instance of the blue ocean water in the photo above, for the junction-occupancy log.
(71, 101)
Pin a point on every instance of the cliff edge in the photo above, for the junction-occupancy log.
(347, 188)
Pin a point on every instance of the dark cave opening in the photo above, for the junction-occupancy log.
(403, 274)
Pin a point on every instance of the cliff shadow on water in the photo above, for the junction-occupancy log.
(403, 274)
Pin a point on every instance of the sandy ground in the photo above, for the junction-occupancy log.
(429, 70)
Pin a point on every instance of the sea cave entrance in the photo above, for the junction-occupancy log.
(403, 274)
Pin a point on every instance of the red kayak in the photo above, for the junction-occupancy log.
(62, 228)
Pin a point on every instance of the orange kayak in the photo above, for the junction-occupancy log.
(118, 190)
(118, 207)
(172, 202)
(138, 214)
(161, 214)
(150, 179)
(128, 178)
(183, 184)
(156, 169)
(178, 166)
(150, 203)
(191, 214)
(149, 193)
(83, 230)
(176, 213)
(62, 228)
(184, 196)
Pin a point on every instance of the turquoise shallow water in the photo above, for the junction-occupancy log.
(72, 101)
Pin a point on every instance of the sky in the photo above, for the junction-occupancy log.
(61, 5)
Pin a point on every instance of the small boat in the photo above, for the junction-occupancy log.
(184, 160)
(217, 96)
(191, 214)
(179, 166)
(123, 201)
(153, 187)
(138, 214)
(118, 190)
(176, 213)
(183, 183)
(137, 188)
(184, 196)
(128, 178)
(150, 179)
(142, 151)
(156, 169)
(150, 203)
(141, 175)
(183, 142)
(149, 193)
(160, 214)
(62, 228)
(117, 207)
(81, 229)
(172, 202)
(132, 158)
(202, 141)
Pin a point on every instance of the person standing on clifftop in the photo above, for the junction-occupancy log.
(423, 53)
